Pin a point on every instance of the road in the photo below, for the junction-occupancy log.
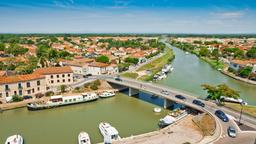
(221, 129)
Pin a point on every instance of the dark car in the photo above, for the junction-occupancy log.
(180, 97)
(27, 97)
(118, 78)
(198, 102)
(220, 114)
(231, 132)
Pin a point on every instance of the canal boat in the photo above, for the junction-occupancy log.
(106, 94)
(14, 139)
(167, 68)
(59, 100)
(83, 138)
(109, 133)
(167, 120)
(157, 109)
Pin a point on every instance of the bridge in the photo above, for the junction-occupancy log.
(220, 135)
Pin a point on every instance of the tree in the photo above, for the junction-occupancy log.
(216, 54)
(2, 46)
(239, 54)
(204, 52)
(17, 98)
(216, 92)
(131, 60)
(251, 53)
(245, 72)
(63, 88)
(16, 50)
(103, 59)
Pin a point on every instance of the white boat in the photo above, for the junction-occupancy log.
(167, 68)
(106, 94)
(83, 138)
(233, 100)
(167, 120)
(14, 139)
(157, 110)
(109, 133)
(59, 100)
(162, 76)
(186, 53)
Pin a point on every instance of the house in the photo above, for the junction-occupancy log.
(236, 65)
(56, 76)
(97, 68)
(30, 84)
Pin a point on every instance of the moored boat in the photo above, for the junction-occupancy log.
(109, 133)
(106, 94)
(167, 120)
(157, 110)
(83, 138)
(59, 100)
(14, 139)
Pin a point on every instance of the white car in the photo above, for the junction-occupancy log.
(232, 132)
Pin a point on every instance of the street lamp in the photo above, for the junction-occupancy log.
(241, 112)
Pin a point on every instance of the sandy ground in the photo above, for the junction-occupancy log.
(183, 131)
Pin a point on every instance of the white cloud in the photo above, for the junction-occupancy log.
(229, 15)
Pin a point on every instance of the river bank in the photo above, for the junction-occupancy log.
(147, 71)
(225, 71)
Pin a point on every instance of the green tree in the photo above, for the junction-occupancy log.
(63, 88)
(103, 59)
(239, 54)
(17, 98)
(2, 46)
(16, 50)
(251, 53)
(204, 52)
(131, 60)
(245, 72)
(216, 92)
(216, 54)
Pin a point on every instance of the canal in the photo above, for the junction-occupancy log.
(190, 72)
(62, 125)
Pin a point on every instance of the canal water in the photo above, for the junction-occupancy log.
(62, 125)
(190, 73)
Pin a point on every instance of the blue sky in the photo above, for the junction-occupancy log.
(127, 16)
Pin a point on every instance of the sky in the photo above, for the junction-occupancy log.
(128, 16)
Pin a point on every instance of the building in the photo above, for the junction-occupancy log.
(29, 84)
(56, 76)
(236, 65)
(97, 68)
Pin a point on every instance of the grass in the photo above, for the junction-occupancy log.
(130, 75)
(214, 63)
(156, 65)
(248, 109)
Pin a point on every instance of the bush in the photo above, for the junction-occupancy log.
(39, 95)
(94, 86)
(97, 82)
(86, 85)
(17, 98)
(49, 93)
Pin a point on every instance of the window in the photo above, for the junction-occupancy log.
(66, 100)
(68, 75)
(20, 92)
(7, 94)
(58, 76)
(19, 85)
(63, 80)
(63, 75)
(70, 100)
(58, 81)
(38, 83)
(51, 76)
(15, 92)
(38, 89)
(28, 84)
(68, 80)
(28, 91)
(6, 87)
(33, 90)
(0, 94)
(74, 99)
(52, 81)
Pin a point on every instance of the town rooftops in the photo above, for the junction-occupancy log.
(20, 78)
(244, 62)
(98, 64)
(53, 70)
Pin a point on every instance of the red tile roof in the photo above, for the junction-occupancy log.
(98, 64)
(53, 70)
(20, 78)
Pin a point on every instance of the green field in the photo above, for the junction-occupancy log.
(248, 109)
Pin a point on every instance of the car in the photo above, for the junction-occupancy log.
(231, 132)
(180, 97)
(118, 78)
(220, 114)
(198, 102)
(165, 92)
(27, 97)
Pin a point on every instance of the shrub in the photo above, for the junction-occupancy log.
(39, 95)
(49, 93)
(94, 86)
(17, 98)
